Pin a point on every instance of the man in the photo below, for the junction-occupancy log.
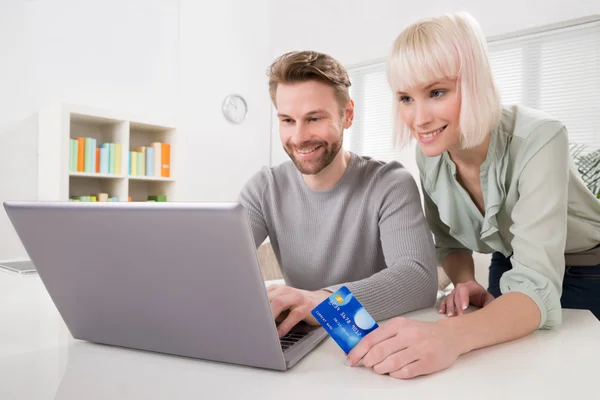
(335, 218)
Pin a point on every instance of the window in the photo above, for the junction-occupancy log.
(556, 71)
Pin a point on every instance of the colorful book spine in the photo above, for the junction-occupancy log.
(160, 198)
(112, 158)
(87, 156)
(134, 163)
(118, 158)
(143, 166)
(141, 160)
(165, 170)
(104, 156)
(157, 158)
(80, 154)
(73, 155)
(139, 169)
(92, 198)
(150, 161)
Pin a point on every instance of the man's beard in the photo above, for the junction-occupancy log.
(313, 167)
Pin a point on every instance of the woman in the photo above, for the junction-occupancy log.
(495, 180)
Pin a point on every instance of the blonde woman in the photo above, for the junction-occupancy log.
(495, 180)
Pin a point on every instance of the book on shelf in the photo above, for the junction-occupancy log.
(165, 159)
(151, 160)
(104, 197)
(98, 197)
(87, 155)
(104, 158)
(118, 155)
(157, 198)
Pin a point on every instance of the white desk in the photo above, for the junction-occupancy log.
(40, 360)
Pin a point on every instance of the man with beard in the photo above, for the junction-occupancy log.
(333, 217)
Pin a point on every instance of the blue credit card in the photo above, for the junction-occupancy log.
(344, 318)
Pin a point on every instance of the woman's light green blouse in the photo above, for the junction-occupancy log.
(537, 208)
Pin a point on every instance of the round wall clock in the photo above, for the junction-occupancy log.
(235, 108)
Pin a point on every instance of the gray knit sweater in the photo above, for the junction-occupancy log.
(368, 232)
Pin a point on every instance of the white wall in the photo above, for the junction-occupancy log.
(357, 31)
(223, 49)
(114, 54)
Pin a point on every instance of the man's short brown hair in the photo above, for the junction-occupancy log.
(302, 66)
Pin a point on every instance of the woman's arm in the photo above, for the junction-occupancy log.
(507, 318)
(406, 348)
(531, 290)
(459, 267)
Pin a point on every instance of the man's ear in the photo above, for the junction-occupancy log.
(349, 114)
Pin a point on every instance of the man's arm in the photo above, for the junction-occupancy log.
(410, 280)
(251, 197)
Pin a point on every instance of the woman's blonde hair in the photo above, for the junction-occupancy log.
(451, 46)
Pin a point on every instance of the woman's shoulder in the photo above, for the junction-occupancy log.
(528, 124)
(529, 131)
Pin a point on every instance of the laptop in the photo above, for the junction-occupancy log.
(175, 278)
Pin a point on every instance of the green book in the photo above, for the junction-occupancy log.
(157, 198)
(87, 158)
(73, 145)
(112, 158)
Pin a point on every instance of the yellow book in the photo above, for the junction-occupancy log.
(134, 156)
(118, 159)
(142, 150)
(157, 158)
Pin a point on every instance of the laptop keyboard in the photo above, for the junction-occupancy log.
(291, 339)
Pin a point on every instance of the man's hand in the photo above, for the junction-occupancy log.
(291, 306)
(405, 348)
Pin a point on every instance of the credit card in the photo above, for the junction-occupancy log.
(344, 318)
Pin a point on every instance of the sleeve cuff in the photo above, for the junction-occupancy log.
(334, 288)
(537, 287)
(442, 252)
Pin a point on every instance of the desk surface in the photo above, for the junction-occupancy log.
(40, 360)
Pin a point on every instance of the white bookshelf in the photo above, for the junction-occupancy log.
(54, 127)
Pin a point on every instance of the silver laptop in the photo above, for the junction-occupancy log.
(176, 278)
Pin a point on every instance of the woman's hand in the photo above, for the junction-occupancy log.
(463, 294)
(405, 348)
